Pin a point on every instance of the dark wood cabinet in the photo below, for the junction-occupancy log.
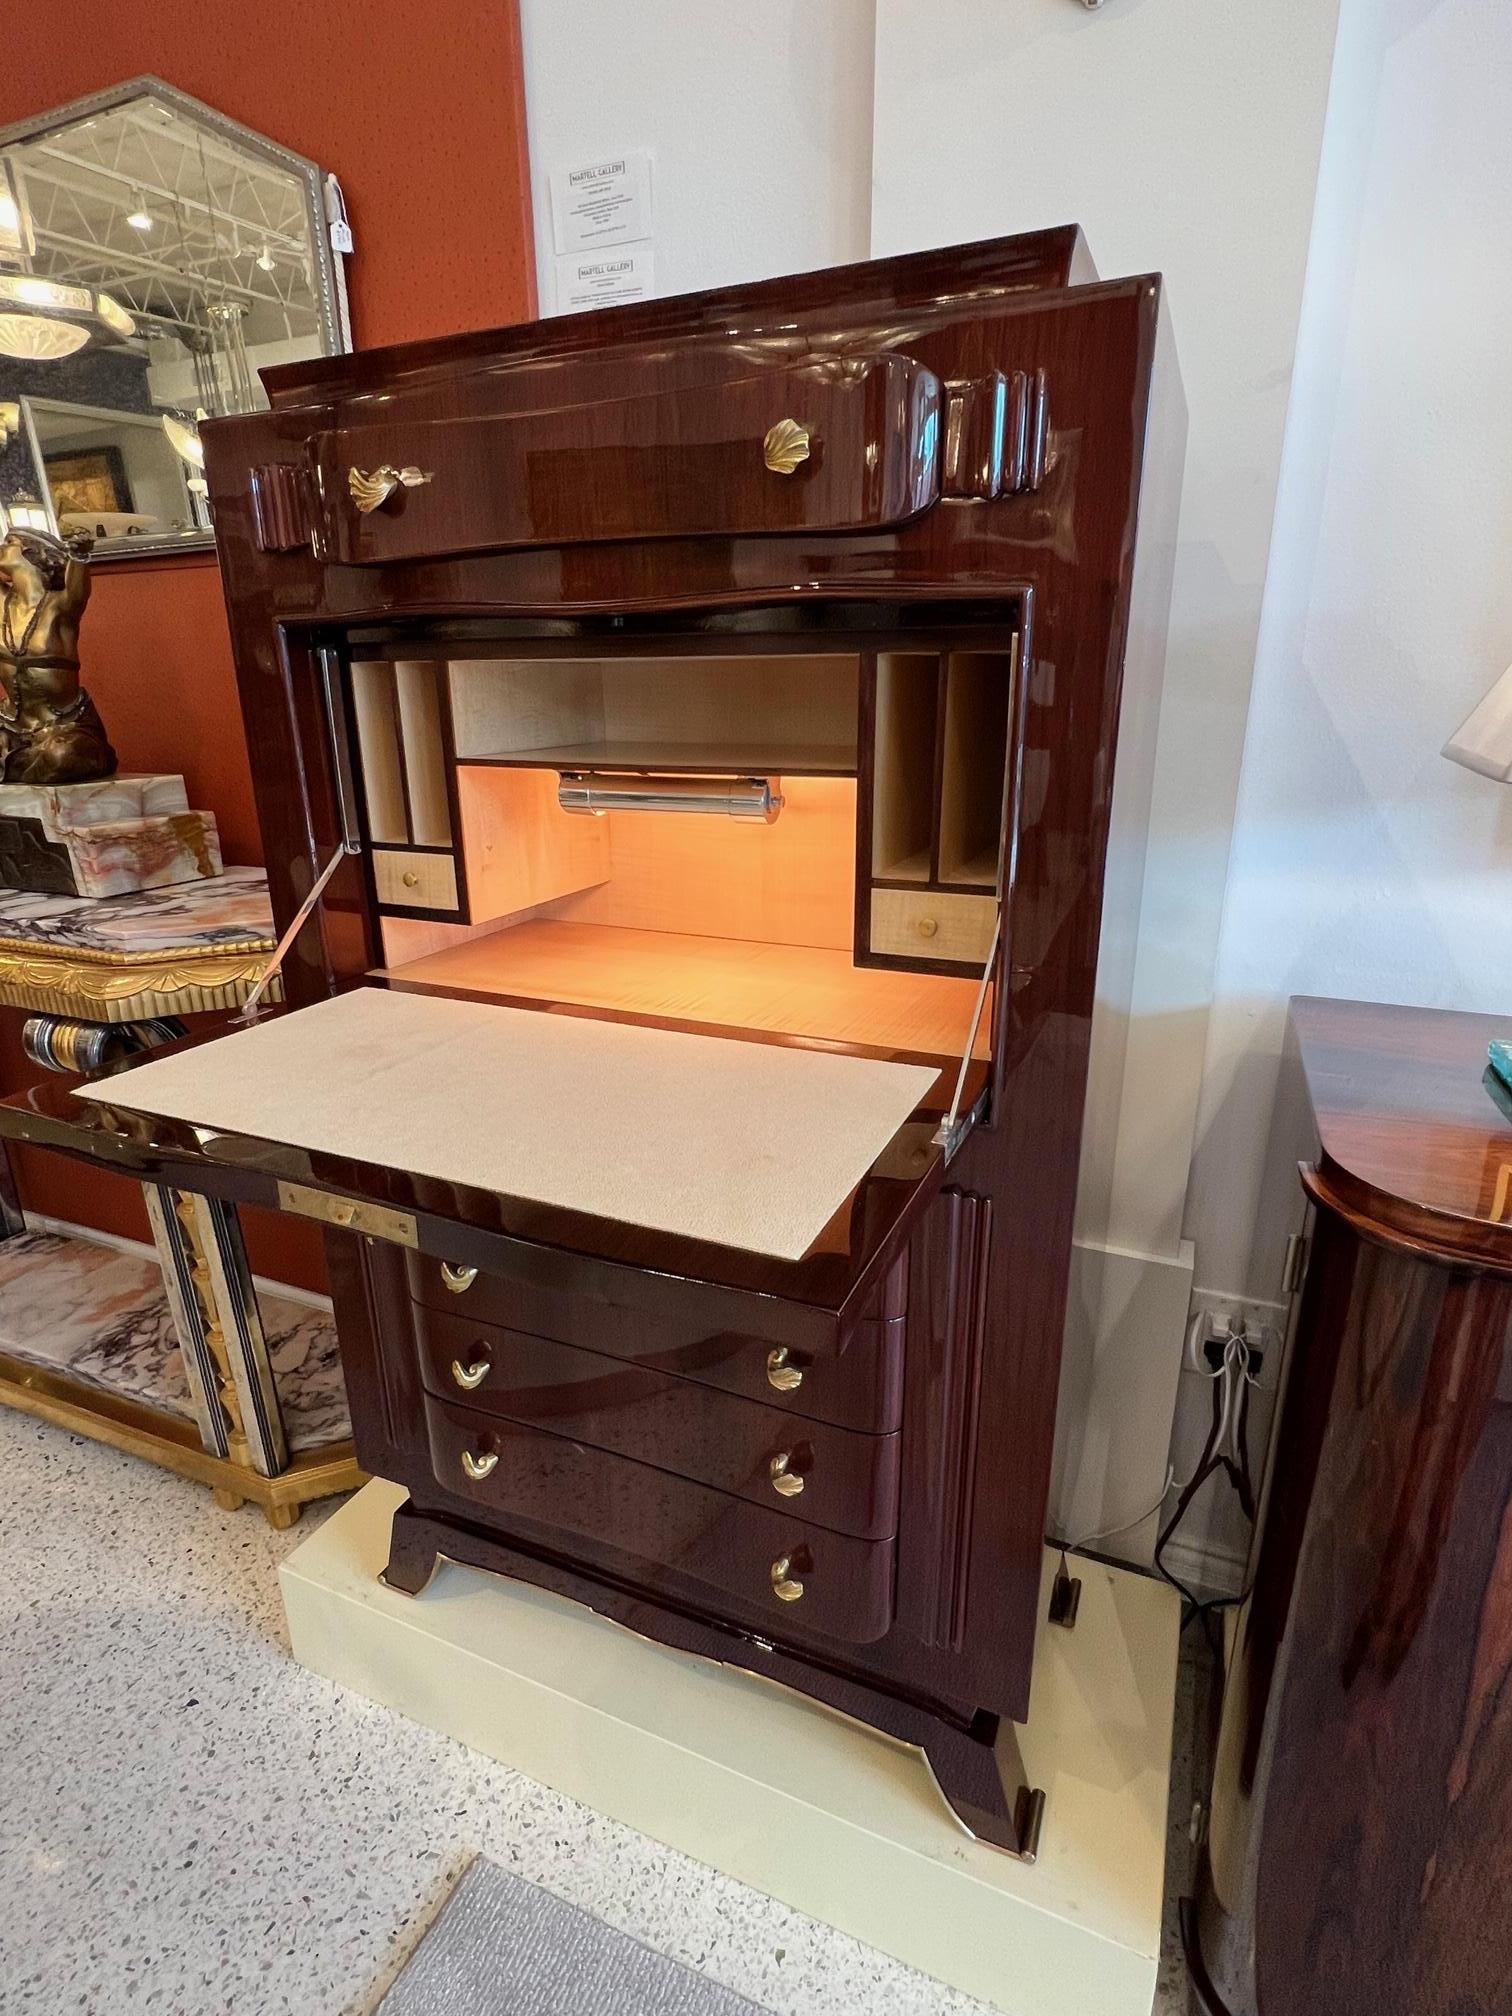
(1359, 1848)
(866, 569)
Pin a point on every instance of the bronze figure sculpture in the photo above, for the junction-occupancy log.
(50, 729)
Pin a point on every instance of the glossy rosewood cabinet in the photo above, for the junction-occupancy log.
(1359, 1852)
(840, 601)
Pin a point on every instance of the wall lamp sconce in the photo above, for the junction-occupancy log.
(598, 792)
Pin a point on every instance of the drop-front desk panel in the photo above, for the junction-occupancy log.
(766, 682)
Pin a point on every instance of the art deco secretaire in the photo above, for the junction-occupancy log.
(710, 708)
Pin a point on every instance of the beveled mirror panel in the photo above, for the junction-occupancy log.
(154, 255)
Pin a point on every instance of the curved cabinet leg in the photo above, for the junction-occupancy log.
(981, 1775)
(413, 1553)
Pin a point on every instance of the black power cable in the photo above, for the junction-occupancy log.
(1213, 1459)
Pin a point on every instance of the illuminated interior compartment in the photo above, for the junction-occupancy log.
(798, 990)
(714, 921)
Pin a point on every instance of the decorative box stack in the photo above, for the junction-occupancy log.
(106, 838)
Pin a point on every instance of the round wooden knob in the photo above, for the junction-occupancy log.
(927, 927)
(411, 879)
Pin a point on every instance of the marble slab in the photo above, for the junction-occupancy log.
(65, 808)
(233, 909)
(105, 838)
(127, 854)
(98, 1313)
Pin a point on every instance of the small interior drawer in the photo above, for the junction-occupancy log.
(927, 925)
(683, 1532)
(817, 1473)
(694, 1334)
(407, 879)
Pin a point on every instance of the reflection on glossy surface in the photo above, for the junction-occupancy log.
(1407, 1120)
(169, 253)
(703, 1536)
(643, 1409)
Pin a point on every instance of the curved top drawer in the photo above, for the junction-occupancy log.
(831, 445)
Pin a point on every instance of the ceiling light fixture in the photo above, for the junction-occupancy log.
(45, 293)
(70, 316)
(185, 440)
(265, 260)
(26, 512)
(140, 218)
(16, 236)
(39, 339)
(114, 316)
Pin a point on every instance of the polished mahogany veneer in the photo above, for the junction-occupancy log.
(1360, 1850)
(945, 487)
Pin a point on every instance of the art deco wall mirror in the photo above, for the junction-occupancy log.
(153, 256)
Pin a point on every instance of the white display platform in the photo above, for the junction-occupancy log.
(832, 1819)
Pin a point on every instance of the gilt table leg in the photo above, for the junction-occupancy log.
(11, 1219)
(61, 1043)
(209, 1284)
(214, 1306)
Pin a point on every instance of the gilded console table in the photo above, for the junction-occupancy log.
(102, 978)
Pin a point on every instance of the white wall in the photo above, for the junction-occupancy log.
(758, 116)
(1184, 135)
(1364, 864)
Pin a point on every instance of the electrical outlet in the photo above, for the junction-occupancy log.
(1215, 1349)
(1263, 1323)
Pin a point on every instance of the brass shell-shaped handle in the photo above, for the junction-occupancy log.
(469, 1376)
(786, 1481)
(458, 1279)
(478, 1467)
(371, 487)
(784, 446)
(781, 1376)
(785, 1587)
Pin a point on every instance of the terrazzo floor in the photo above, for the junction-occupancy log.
(192, 1824)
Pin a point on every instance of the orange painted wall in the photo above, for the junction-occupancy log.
(419, 112)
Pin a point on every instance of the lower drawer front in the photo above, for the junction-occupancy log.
(817, 1473)
(861, 1388)
(684, 1532)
